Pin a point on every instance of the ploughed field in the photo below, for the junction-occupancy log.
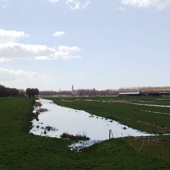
(21, 150)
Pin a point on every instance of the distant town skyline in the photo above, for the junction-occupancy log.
(54, 44)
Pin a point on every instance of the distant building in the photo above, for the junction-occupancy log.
(74, 92)
(129, 94)
(158, 94)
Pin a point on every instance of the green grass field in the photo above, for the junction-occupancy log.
(144, 118)
(21, 150)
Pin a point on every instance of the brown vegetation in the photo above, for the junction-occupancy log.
(74, 137)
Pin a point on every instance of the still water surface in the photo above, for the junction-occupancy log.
(63, 119)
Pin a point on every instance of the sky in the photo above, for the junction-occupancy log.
(54, 44)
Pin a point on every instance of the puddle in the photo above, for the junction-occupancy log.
(57, 120)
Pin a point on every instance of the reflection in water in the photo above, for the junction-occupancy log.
(58, 120)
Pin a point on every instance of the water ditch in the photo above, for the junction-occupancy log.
(53, 120)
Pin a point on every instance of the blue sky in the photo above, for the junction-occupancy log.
(52, 44)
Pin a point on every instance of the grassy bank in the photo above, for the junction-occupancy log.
(20, 150)
(144, 118)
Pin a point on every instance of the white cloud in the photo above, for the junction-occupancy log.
(58, 34)
(121, 8)
(78, 4)
(67, 52)
(11, 36)
(10, 49)
(3, 3)
(159, 4)
(10, 75)
(53, 1)
(74, 4)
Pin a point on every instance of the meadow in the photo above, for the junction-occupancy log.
(21, 150)
(126, 111)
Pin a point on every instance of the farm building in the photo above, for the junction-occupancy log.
(129, 94)
(125, 94)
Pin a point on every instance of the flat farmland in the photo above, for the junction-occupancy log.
(21, 150)
(147, 114)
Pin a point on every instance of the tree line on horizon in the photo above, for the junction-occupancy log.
(13, 92)
(7, 92)
(32, 92)
(80, 92)
(108, 92)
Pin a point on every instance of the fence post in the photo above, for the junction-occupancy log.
(110, 134)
